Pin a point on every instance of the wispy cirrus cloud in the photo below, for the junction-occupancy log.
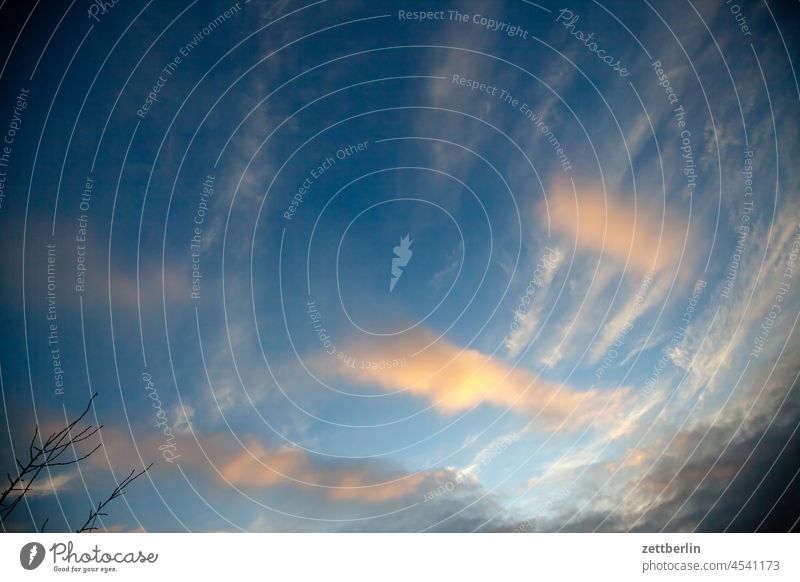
(527, 314)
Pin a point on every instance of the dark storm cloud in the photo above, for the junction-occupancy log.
(739, 479)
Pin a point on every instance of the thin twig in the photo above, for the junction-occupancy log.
(45, 455)
(118, 491)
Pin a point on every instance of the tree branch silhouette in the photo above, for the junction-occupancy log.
(118, 491)
(48, 453)
(45, 455)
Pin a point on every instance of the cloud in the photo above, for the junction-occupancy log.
(585, 294)
(52, 485)
(526, 316)
(442, 502)
(735, 472)
(183, 417)
(307, 492)
(735, 481)
(632, 233)
(646, 296)
(707, 351)
(260, 467)
(253, 464)
(454, 380)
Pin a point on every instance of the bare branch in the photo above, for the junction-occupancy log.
(45, 455)
(33, 440)
(118, 491)
(76, 460)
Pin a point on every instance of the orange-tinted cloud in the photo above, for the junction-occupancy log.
(611, 224)
(454, 379)
(260, 467)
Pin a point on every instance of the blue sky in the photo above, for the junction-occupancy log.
(594, 328)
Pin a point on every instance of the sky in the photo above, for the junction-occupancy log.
(389, 266)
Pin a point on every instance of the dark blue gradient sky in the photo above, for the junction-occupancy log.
(592, 324)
